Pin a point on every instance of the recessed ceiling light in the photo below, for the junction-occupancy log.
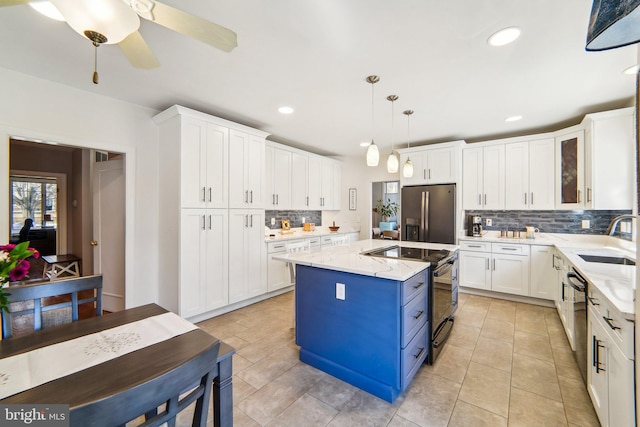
(504, 36)
(513, 119)
(285, 110)
(365, 144)
(47, 9)
(632, 70)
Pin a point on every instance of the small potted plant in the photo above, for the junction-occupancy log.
(13, 267)
(388, 210)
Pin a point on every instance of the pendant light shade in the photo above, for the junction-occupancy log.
(613, 23)
(373, 155)
(407, 169)
(392, 160)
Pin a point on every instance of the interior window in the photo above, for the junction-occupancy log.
(35, 198)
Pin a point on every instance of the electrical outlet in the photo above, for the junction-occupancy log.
(273, 221)
(488, 222)
(340, 291)
(586, 223)
(303, 220)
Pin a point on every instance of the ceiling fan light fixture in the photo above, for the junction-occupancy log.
(113, 19)
(47, 9)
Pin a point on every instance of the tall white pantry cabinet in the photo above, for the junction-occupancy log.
(211, 212)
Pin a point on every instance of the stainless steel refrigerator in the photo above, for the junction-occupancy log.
(428, 213)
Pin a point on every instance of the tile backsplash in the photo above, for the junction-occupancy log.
(294, 217)
(551, 221)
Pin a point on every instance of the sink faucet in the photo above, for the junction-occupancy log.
(611, 230)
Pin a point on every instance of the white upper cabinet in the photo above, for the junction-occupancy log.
(530, 175)
(299, 181)
(483, 177)
(570, 170)
(432, 165)
(246, 170)
(609, 158)
(278, 178)
(325, 176)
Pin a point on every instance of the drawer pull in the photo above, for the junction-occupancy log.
(509, 249)
(592, 301)
(419, 315)
(419, 285)
(611, 325)
(417, 356)
(474, 246)
(278, 247)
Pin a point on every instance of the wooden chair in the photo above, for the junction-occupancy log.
(161, 399)
(293, 248)
(33, 294)
(391, 234)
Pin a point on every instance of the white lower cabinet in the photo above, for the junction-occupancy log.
(543, 277)
(203, 260)
(565, 299)
(278, 275)
(247, 260)
(500, 267)
(610, 363)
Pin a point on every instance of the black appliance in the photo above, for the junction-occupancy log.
(474, 225)
(429, 213)
(442, 297)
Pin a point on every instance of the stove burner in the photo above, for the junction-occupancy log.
(430, 255)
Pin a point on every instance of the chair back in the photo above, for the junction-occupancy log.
(31, 298)
(176, 389)
(295, 247)
(341, 239)
(391, 234)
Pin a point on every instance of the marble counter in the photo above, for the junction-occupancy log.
(348, 258)
(275, 235)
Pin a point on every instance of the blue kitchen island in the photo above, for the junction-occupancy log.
(362, 319)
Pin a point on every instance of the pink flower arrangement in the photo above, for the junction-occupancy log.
(13, 266)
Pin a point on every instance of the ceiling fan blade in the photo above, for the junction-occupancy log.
(12, 2)
(193, 26)
(137, 51)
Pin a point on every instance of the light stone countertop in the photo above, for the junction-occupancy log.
(616, 282)
(275, 235)
(348, 258)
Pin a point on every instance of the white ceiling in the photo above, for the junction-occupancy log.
(314, 55)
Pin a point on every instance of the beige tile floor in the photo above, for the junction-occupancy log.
(505, 364)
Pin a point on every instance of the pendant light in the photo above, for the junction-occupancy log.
(373, 155)
(407, 169)
(613, 24)
(392, 160)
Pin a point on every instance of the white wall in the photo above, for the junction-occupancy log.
(38, 109)
(356, 174)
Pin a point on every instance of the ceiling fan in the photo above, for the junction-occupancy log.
(117, 22)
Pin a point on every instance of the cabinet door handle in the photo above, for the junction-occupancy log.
(494, 264)
(251, 218)
(485, 198)
(596, 355)
(592, 301)
(277, 199)
(210, 197)
(487, 263)
(273, 199)
(417, 356)
(204, 225)
(579, 196)
(424, 174)
(479, 199)
(532, 197)
(588, 195)
(429, 174)
(563, 285)
(210, 222)
(418, 315)
(251, 194)
(611, 325)
(246, 196)
(307, 200)
(246, 221)
(525, 199)
(204, 192)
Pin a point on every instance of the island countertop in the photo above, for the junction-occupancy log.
(349, 258)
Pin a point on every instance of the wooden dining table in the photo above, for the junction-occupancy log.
(97, 382)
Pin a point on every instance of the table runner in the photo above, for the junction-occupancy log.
(28, 370)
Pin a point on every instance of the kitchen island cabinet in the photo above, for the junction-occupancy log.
(368, 331)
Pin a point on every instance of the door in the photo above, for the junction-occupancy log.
(109, 231)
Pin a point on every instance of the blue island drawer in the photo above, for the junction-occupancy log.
(413, 285)
(414, 355)
(414, 315)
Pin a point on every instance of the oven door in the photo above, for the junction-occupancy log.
(442, 308)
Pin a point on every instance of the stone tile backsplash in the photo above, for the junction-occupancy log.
(550, 221)
(294, 217)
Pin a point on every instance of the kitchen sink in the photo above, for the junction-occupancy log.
(608, 259)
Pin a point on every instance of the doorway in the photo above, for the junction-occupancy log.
(384, 192)
(76, 219)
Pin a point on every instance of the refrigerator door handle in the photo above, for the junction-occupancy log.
(424, 217)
